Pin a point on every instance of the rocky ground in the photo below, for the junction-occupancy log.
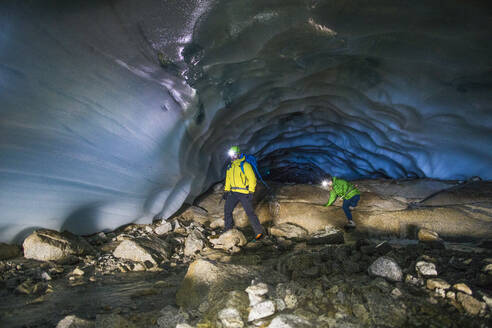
(420, 257)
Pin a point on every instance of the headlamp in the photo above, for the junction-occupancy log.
(324, 183)
(231, 153)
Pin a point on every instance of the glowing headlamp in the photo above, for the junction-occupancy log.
(231, 153)
(324, 183)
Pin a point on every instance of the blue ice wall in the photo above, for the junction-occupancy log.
(117, 112)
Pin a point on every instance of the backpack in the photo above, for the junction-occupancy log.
(252, 161)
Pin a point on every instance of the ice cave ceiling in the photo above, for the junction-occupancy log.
(119, 111)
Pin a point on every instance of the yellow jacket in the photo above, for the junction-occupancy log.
(238, 181)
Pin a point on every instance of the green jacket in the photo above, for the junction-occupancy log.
(341, 188)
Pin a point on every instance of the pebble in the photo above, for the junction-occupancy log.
(426, 268)
(261, 310)
(461, 287)
(230, 318)
(437, 283)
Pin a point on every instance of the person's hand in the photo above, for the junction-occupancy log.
(225, 195)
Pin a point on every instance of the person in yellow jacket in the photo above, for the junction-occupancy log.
(240, 186)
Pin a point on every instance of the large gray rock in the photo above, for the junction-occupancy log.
(9, 251)
(50, 245)
(328, 236)
(230, 241)
(387, 268)
(208, 282)
(143, 249)
(288, 230)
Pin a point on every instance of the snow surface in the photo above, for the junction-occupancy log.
(97, 131)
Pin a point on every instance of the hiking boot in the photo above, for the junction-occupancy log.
(351, 223)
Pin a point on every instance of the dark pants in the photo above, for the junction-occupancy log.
(230, 204)
(350, 202)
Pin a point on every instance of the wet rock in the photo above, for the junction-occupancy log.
(77, 272)
(207, 281)
(143, 249)
(387, 268)
(230, 318)
(72, 321)
(163, 228)
(288, 230)
(112, 320)
(461, 287)
(261, 310)
(9, 251)
(426, 269)
(437, 283)
(426, 235)
(256, 293)
(470, 304)
(50, 245)
(170, 317)
(230, 241)
(193, 243)
(328, 236)
(289, 321)
(45, 276)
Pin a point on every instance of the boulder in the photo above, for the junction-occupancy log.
(142, 249)
(71, 321)
(50, 245)
(8, 252)
(387, 268)
(230, 241)
(208, 281)
(193, 243)
(288, 230)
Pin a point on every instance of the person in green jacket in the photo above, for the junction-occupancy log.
(347, 191)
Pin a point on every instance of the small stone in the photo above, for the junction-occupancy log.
(470, 304)
(289, 321)
(183, 325)
(256, 292)
(396, 293)
(461, 287)
(428, 235)
(164, 228)
(387, 268)
(440, 292)
(280, 304)
(437, 283)
(230, 318)
(451, 295)
(45, 276)
(487, 268)
(92, 279)
(409, 279)
(426, 268)
(290, 300)
(261, 310)
(72, 321)
(78, 272)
